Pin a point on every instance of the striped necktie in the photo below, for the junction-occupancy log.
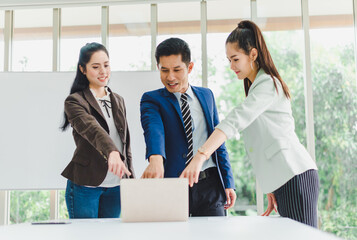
(187, 120)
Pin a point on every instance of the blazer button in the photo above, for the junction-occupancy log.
(121, 130)
(184, 155)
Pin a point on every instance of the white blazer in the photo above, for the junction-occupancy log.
(266, 123)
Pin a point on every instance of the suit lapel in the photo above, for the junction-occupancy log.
(204, 105)
(92, 101)
(173, 100)
(118, 115)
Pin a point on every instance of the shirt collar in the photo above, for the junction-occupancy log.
(105, 97)
(189, 92)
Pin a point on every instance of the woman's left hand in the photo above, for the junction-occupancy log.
(272, 205)
(192, 170)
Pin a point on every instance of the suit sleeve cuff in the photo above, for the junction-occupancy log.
(229, 184)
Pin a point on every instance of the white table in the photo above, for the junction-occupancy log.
(205, 228)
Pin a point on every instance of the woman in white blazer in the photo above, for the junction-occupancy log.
(283, 167)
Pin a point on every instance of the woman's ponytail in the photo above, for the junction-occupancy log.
(247, 36)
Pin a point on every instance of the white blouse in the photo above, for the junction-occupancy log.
(111, 180)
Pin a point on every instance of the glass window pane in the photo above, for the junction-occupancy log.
(282, 29)
(63, 213)
(29, 206)
(76, 32)
(269, 9)
(222, 18)
(182, 20)
(335, 113)
(330, 14)
(2, 18)
(285, 17)
(130, 37)
(32, 42)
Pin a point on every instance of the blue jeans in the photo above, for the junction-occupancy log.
(92, 202)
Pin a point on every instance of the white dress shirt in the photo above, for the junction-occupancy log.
(199, 125)
(265, 120)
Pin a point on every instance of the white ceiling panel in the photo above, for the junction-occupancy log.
(228, 9)
(121, 14)
(33, 18)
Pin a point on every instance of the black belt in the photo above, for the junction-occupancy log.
(209, 172)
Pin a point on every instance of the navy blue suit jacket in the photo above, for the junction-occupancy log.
(164, 131)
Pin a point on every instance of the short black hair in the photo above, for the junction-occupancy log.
(173, 46)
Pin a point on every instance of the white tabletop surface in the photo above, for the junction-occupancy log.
(205, 228)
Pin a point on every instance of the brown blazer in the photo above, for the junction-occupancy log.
(89, 164)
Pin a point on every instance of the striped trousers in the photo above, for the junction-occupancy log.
(297, 199)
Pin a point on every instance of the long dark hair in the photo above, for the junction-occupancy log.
(80, 81)
(248, 36)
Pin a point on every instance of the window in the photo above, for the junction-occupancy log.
(29, 206)
(182, 20)
(283, 33)
(282, 29)
(335, 113)
(222, 18)
(63, 213)
(32, 41)
(32, 51)
(130, 37)
(76, 32)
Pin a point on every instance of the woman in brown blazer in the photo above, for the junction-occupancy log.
(100, 131)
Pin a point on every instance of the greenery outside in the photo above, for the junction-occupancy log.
(335, 121)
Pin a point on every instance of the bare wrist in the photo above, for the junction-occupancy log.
(114, 153)
(156, 159)
(201, 157)
(203, 153)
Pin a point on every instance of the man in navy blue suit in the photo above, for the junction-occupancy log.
(171, 135)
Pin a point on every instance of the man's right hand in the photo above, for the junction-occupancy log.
(155, 168)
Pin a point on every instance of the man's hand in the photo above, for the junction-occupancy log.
(116, 165)
(231, 198)
(192, 170)
(272, 205)
(155, 168)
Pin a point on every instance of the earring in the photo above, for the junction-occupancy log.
(251, 65)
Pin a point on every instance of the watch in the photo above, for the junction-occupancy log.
(203, 152)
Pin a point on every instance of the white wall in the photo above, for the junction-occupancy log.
(33, 149)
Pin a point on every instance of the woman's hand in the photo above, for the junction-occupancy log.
(116, 165)
(192, 170)
(272, 205)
